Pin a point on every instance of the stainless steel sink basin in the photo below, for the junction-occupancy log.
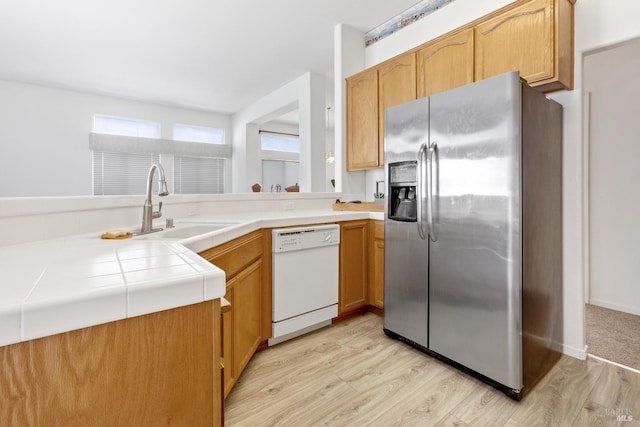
(186, 230)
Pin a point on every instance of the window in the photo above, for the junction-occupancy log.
(280, 160)
(198, 134)
(119, 171)
(277, 175)
(126, 127)
(198, 175)
(124, 150)
(280, 142)
(201, 174)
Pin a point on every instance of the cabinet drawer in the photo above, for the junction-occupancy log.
(234, 256)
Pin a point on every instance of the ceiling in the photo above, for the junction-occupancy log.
(218, 55)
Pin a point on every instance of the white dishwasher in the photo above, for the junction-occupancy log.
(305, 279)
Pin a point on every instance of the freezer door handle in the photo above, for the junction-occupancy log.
(432, 163)
(421, 187)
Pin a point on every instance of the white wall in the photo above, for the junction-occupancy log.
(349, 58)
(307, 94)
(44, 135)
(597, 24)
(614, 194)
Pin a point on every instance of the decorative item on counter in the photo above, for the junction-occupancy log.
(116, 234)
(256, 188)
(293, 188)
(378, 197)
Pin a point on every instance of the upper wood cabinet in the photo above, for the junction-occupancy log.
(532, 36)
(445, 64)
(535, 38)
(368, 94)
(362, 121)
(396, 85)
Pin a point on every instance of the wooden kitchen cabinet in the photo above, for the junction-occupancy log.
(363, 150)
(368, 94)
(225, 350)
(245, 325)
(535, 38)
(228, 372)
(157, 369)
(376, 264)
(352, 293)
(246, 311)
(445, 64)
(396, 85)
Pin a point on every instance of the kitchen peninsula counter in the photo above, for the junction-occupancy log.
(59, 285)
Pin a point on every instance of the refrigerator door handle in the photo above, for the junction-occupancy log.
(422, 153)
(433, 152)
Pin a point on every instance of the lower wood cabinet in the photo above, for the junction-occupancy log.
(376, 264)
(354, 253)
(158, 369)
(246, 307)
(246, 325)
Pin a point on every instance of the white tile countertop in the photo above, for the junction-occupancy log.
(54, 286)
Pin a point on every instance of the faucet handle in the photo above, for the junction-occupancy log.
(158, 213)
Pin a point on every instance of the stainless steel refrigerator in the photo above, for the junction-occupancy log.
(473, 229)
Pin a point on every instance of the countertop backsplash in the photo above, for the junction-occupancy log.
(28, 219)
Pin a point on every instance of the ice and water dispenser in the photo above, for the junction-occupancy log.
(402, 189)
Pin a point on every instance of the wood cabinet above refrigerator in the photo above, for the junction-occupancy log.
(533, 36)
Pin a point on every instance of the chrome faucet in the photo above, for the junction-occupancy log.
(148, 215)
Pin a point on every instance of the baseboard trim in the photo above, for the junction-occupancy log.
(376, 310)
(616, 307)
(349, 314)
(574, 352)
(358, 311)
(602, 359)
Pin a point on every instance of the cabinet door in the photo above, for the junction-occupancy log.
(229, 377)
(362, 121)
(446, 64)
(353, 266)
(396, 84)
(520, 39)
(376, 264)
(246, 309)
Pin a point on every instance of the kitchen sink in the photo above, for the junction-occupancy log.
(186, 230)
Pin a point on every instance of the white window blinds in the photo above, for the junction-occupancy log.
(198, 175)
(121, 173)
(202, 173)
(124, 150)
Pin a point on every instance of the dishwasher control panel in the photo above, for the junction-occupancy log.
(300, 238)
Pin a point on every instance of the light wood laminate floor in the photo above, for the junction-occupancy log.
(351, 374)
